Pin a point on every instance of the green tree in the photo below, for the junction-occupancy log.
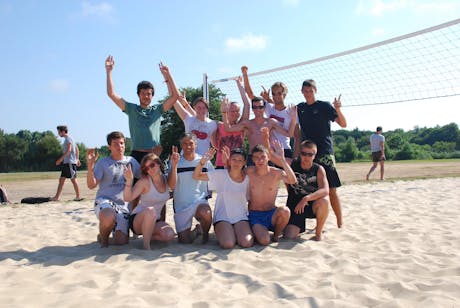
(396, 139)
(443, 147)
(12, 150)
(47, 151)
(347, 151)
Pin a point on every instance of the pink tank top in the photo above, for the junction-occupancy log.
(231, 139)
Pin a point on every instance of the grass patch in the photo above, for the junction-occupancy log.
(13, 177)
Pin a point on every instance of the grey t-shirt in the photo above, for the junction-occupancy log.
(376, 140)
(109, 173)
(71, 158)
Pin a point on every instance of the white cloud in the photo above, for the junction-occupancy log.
(247, 42)
(378, 31)
(380, 7)
(438, 6)
(103, 9)
(292, 3)
(58, 85)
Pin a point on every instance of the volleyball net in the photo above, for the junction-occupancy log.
(416, 66)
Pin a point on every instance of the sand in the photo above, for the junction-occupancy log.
(400, 248)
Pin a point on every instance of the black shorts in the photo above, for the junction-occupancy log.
(68, 171)
(214, 224)
(328, 163)
(131, 222)
(299, 219)
(377, 156)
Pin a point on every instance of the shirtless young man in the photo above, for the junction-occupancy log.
(255, 125)
(275, 109)
(264, 180)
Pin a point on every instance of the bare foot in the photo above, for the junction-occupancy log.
(339, 223)
(197, 231)
(205, 238)
(104, 243)
(54, 199)
(317, 237)
(367, 177)
(276, 237)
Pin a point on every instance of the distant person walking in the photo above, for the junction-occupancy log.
(68, 163)
(378, 152)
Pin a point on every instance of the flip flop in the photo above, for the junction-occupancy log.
(78, 199)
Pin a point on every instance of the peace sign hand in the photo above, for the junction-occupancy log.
(337, 102)
(109, 63)
(174, 156)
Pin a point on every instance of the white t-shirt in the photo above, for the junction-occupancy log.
(232, 197)
(188, 191)
(284, 119)
(203, 131)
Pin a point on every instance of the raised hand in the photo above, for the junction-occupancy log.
(244, 70)
(128, 173)
(174, 158)
(225, 155)
(109, 63)
(265, 94)
(208, 156)
(239, 80)
(265, 132)
(293, 112)
(337, 102)
(277, 150)
(163, 69)
(224, 105)
(91, 155)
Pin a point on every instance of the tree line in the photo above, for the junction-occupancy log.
(38, 151)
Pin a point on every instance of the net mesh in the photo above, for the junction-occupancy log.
(421, 65)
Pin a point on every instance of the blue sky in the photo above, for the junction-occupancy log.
(53, 52)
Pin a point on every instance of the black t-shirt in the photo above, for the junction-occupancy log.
(307, 182)
(315, 124)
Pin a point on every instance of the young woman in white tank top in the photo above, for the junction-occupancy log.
(153, 188)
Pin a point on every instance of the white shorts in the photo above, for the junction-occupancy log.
(184, 218)
(121, 212)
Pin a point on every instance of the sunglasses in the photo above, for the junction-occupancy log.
(152, 164)
(258, 107)
(309, 154)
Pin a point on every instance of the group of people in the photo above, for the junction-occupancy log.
(133, 190)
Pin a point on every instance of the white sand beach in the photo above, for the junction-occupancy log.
(400, 248)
